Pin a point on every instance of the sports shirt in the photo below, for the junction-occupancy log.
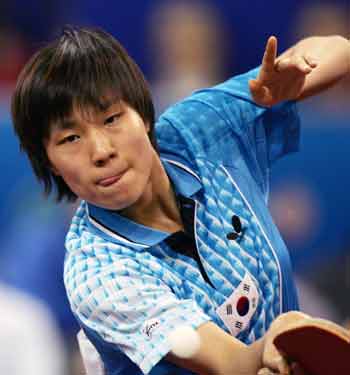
(128, 288)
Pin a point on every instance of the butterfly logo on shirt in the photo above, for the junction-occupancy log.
(238, 229)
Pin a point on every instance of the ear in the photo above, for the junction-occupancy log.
(147, 126)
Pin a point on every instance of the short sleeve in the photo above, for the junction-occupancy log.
(223, 123)
(134, 313)
(278, 126)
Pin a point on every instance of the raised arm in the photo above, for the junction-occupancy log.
(306, 69)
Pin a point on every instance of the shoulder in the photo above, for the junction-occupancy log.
(226, 104)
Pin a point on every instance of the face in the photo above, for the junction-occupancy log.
(105, 158)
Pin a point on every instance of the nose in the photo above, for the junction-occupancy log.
(102, 149)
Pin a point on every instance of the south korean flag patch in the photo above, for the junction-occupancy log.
(237, 311)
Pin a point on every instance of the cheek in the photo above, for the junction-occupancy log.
(70, 171)
(73, 179)
(71, 175)
(145, 155)
(139, 151)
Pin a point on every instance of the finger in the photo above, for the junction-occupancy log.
(311, 61)
(282, 365)
(279, 365)
(266, 371)
(256, 88)
(255, 84)
(282, 64)
(260, 93)
(302, 65)
(298, 63)
(269, 58)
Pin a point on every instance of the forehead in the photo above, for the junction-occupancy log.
(83, 114)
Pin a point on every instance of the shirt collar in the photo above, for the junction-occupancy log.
(185, 181)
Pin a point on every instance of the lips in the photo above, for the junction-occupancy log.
(109, 180)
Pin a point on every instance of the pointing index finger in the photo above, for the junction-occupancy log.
(270, 54)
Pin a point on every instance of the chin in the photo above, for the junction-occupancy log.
(117, 205)
(126, 197)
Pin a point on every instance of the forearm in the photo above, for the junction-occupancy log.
(238, 360)
(220, 354)
(332, 55)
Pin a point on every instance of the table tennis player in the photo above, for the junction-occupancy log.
(173, 226)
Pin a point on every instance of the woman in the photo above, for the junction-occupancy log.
(173, 226)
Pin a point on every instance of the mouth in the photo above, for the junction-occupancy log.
(110, 180)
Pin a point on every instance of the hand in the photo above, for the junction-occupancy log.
(266, 371)
(281, 78)
(272, 358)
(294, 368)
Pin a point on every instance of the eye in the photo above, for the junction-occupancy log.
(69, 139)
(113, 120)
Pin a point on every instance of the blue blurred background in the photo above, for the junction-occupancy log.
(181, 46)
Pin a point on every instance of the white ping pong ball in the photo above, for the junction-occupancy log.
(184, 341)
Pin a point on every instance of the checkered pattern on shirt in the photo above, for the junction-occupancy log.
(231, 260)
(114, 290)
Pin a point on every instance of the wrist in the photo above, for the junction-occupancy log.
(255, 353)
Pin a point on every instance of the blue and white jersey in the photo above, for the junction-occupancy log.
(129, 289)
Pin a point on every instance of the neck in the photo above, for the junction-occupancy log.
(157, 207)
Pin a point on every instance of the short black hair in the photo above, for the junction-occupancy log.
(83, 68)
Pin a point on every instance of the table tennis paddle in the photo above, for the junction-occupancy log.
(319, 346)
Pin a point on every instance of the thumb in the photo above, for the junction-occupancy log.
(255, 85)
(266, 371)
(260, 93)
